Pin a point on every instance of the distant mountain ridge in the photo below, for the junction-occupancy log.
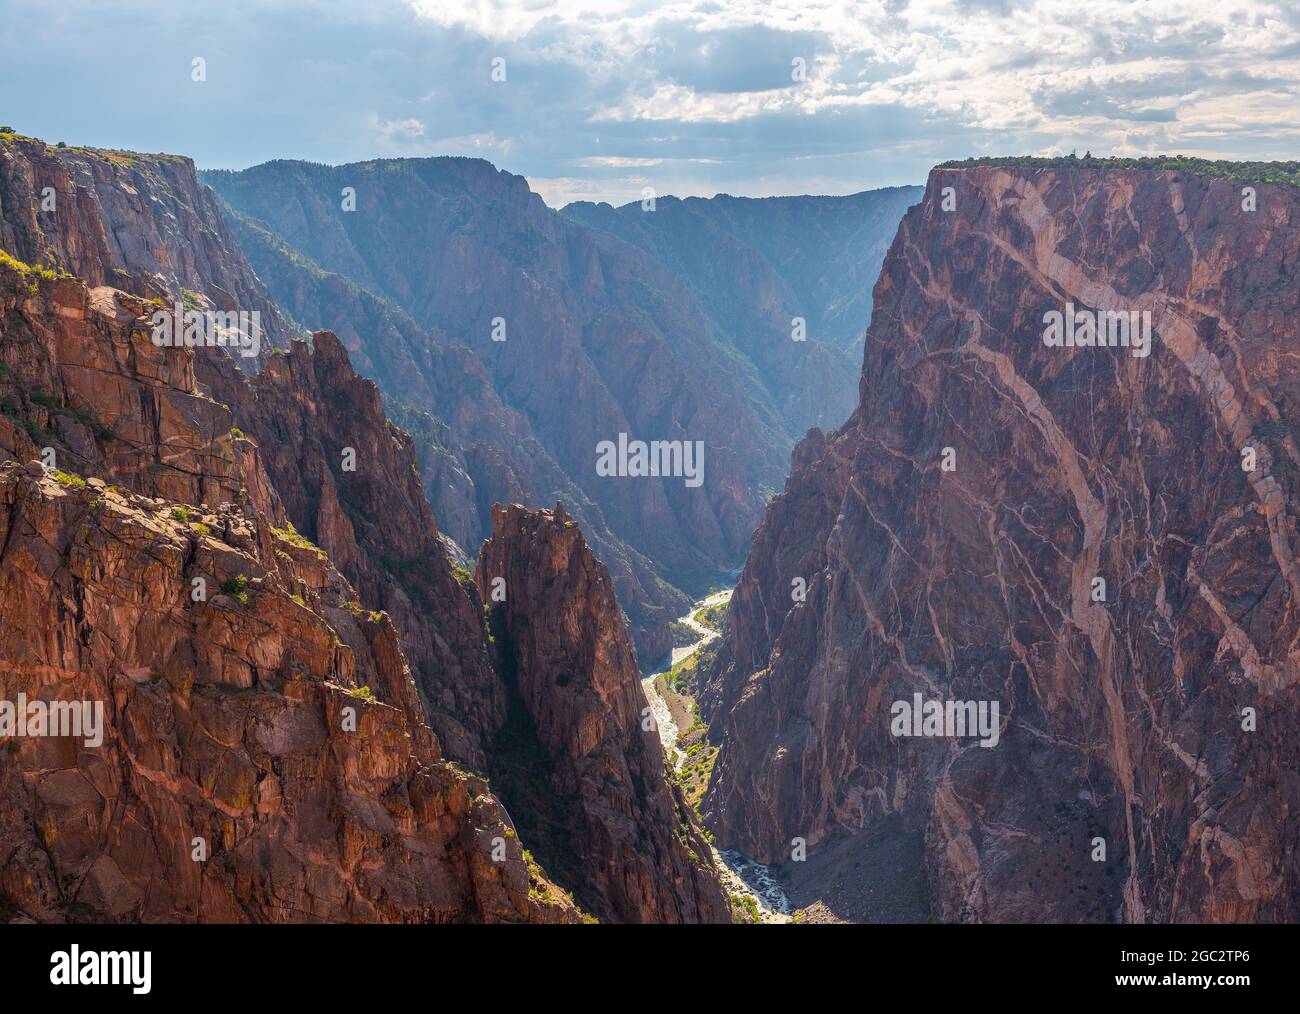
(626, 335)
(474, 450)
(823, 253)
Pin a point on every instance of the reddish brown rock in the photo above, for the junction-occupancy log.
(625, 838)
(224, 721)
(134, 221)
(81, 376)
(298, 508)
(1121, 719)
(74, 358)
(372, 520)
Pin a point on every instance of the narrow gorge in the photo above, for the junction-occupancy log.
(373, 637)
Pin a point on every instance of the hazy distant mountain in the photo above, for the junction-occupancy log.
(811, 257)
(602, 337)
(474, 451)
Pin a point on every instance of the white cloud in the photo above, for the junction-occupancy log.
(991, 65)
(399, 130)
(695, 96)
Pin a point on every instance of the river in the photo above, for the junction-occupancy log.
(738, 874)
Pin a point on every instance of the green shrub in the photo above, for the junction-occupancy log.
(14, 264)
(290, 535)
(235, 588)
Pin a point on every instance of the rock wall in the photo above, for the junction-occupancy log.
(223, 709)
(1123, 708)
(576, 723)
(245, 574)
(138, 222)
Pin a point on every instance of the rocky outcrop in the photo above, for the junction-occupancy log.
(576, 726)
(153, 572)
(79, 376)
(352, 488)
(1154, 712)
(240, 773)
(138, 222)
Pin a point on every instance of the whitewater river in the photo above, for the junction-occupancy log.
(738, 874)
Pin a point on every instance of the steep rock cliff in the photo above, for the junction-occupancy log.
(1122, 715)
(134, 221)
(170, 466)
(152, 573)
(625, 837)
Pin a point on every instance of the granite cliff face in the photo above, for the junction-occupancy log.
(973, 576)
(577, 725)
(352, 488)
(245, 574)
(242, 776)
(139, 222)
(230, 782)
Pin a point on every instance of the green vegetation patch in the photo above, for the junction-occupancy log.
(69, 480)
(712, 617)
(1284, 173)
(744, 909)
(236, 588)
(290, 535)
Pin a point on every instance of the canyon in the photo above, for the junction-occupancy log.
(521, 338)
(375, 636)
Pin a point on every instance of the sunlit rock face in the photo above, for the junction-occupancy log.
(1100, 541)
(136, 221)
(291, 684)
(259, 749)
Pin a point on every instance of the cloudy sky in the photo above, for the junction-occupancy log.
(604, 97)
